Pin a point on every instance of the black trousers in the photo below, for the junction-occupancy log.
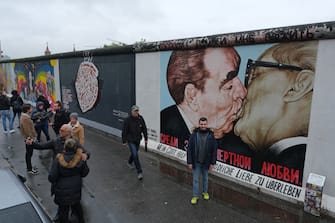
(76, 210)
(29, 154)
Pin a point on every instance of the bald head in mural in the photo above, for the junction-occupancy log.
(275, 116)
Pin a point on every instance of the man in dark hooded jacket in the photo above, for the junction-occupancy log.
(201, 157)
(61, 117)
(40, 118)
(66, 175)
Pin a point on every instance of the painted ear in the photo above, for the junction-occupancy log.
(302, 85)
(190, 94)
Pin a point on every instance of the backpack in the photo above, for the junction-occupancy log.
(16, 105)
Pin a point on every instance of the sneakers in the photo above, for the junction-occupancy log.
(130, 165)
(12, 131)
(205, 196)
(33, 172)
(5, 132)
(140, 176)
(194, 200)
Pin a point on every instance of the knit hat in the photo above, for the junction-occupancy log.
(74, 115)
(135, 107)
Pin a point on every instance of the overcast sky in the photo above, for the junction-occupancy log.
(26, 26)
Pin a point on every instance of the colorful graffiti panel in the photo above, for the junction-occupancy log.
(37, 78)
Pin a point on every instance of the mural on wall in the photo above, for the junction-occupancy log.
(257, 100)
(86, 85)
(7, 79)
(37, 78)
(83, 91)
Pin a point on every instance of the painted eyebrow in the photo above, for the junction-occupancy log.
(230, 75)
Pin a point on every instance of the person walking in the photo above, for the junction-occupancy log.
(6, 113)
(201, 157)
(133, 128)
(77, 128)
(16, 102)
(28, 133)
(66, 175)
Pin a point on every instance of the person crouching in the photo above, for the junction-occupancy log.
(66, 176)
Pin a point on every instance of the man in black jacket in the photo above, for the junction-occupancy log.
(61, 117)
(57, 144)
(132, 131)
(201, 156)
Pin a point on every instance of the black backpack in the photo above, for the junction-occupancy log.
(16, 105)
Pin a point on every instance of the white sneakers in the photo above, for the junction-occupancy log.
(10, 131)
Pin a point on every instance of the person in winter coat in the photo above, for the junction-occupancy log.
(133, 128)
(40, 118)
(46, 103)
(16, 102)
(6, 113)
(66, 175)
(201, 156)
(77, 129)
(61, 117)
(28, 132)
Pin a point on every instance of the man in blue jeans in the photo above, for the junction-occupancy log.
(201, 156)
(6, 113)
(133, 128)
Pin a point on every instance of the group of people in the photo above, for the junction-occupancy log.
(69, 156)
(7, 114)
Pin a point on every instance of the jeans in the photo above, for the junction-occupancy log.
(6, 114)
(134, 156)
(197, 170)
(29, 154)
(42, 126)
(18, 115)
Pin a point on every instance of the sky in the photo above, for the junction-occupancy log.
(28, 26)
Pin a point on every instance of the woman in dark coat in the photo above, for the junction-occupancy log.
(66, 176)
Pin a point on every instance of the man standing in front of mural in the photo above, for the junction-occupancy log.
(5, 112)
(41, 120)
(28, 132)
(275, 117)
(133, 128)
(61, 117)
(201, 157)
(202, 82)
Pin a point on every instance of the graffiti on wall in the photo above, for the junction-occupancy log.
(257, 100)
(273, 35)
(87, 85)
(36, 78)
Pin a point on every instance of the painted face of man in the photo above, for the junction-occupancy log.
(222, 96)
(263, 106)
